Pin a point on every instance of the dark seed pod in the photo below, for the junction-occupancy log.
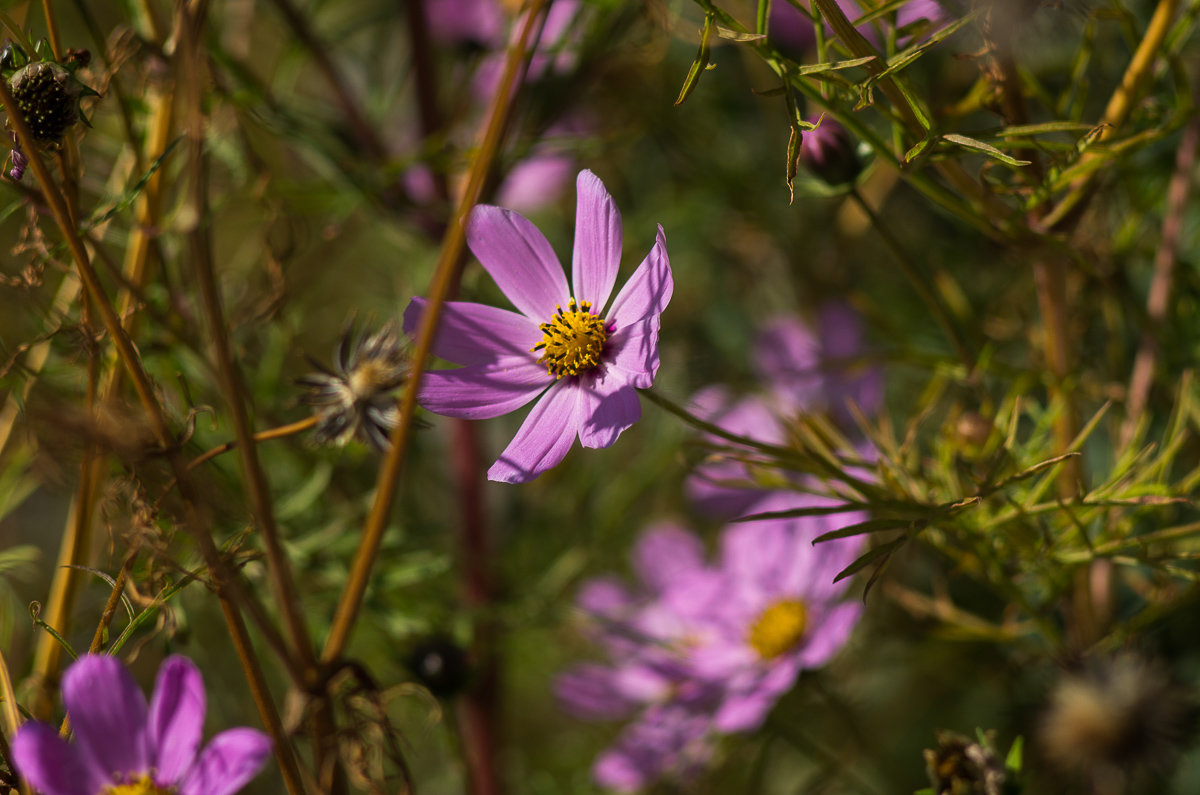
(49, 99)
(440, 665)
(829, 152)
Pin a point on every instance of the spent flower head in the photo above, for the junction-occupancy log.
(584, 357)
(125, 747)
(357, 397)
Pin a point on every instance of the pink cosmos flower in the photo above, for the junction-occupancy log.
(647, 680)
(699, 650)
(123, 745)
(583, 357)
(800, 372)
(771, 609)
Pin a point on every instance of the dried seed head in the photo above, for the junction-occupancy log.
(49, 99)
(1115, 714)
(962, 766)
(357, 397)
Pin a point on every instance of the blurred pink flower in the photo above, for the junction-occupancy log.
(699, 650)
(801, 372)
(645, 637)
(585, 358)
(772, 608)
(792, 31)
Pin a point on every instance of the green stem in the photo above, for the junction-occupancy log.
(923, 290)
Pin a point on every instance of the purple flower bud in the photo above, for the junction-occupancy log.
(19, 160)
(828, 152)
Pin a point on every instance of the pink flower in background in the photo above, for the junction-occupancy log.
(123, 745)
(648, 679)
(699, 650)
(771, 609)
(725, 484)
(807, 372)
(801, 372)
(792, 31)
(581, 356)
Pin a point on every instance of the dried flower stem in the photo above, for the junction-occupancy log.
(52, 30)
(364, 133)
(12, 717)
(77, 537)
(1165, 259)
(110, 607)
(1119, 106)
(444, 280)
(162, 432)
(231, 381)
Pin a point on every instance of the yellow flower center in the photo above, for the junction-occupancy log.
(140, 786)
(779, 628)
(572, 341)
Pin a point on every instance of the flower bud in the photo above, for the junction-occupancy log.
(828, 151)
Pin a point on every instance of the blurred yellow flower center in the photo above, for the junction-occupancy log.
(779, 628)
(572, 341)
(141, 786)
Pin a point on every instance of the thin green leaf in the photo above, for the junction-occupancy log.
(701, 62)
(1014, 760)
(875, 553)
(733, 35)
(980, 146)
(869, 526)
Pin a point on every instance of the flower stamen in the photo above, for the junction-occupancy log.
(143, 785)
(779, 628)
(572, 341)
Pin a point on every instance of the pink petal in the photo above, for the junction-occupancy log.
(648, 290)
(830, 633)
(519, 259)
(483, 391)
(544, 438)
(633, 351)
(108, 714)
(176, 718)
(605, 597)
(597, 241)
(51, 765)
(228, 762)
(609, 406)
(743, 711)
(589, 691)
(474, 333)
(664, 552)
(755, 554)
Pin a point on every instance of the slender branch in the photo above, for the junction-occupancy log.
(1120, 104)
(1165, 259)
(110, 607)
(10, 714)
(52, 30)
(924, 292)
(445, 278)
(365, 134)
(200, 244)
